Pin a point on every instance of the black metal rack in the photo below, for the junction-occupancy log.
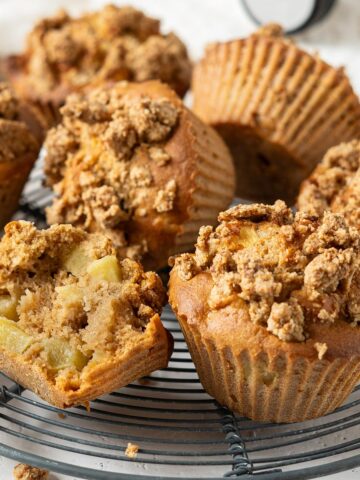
(180, 430)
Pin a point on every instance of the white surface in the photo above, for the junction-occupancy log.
(198, 22)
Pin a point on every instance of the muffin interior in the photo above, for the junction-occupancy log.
(67, 304)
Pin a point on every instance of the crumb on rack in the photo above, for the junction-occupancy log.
(321, 349)
(131, 450)
(27, 472)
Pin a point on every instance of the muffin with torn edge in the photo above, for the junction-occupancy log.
(76, 322)
(131, 161)
(278, 108)
(21, 130)
(65, 55)
(334, 184)
(269, 305)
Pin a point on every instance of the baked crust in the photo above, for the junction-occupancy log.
(176, 175)
(64, 55)
(278, 108)
(76, 328)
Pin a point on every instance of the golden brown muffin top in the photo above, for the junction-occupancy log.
(109, 45)
(98, 160)
(70, 284)
(335, 184)
(285, 269)
(15, 137)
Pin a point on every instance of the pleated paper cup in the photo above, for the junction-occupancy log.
(257, 375)
(278, 108)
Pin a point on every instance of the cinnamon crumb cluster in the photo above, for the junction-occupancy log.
(286, 269)
(111, 44)
(101, 161)
(27, 472)
(335, 184)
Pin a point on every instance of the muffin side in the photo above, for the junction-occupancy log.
(278, 108)
(268, 308)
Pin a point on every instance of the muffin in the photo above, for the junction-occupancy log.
(75, 321)
(65, 55)
(334, 184)
(20, 134)
(269, 306)
(278, 108)
(132, 162)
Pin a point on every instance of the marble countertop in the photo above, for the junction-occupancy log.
(199, 22)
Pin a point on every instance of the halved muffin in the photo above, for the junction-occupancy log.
(21, 131)
(76, 322)
(65, 55)
(269, 305)
(278, 108)
(131, 161)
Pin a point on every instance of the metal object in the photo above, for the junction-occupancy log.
(180, 430)
(293, 16)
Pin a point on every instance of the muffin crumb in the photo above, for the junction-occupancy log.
(9, 104)
(321, 348)
(132, 450)
(164, 200)
(27, 472)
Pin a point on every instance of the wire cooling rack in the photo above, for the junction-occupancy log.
(181, 431)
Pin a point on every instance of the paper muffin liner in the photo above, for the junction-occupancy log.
(265, 388)
(267, 86)
(214, 184)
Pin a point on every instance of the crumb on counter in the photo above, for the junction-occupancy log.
(131, 450)
(27, 472)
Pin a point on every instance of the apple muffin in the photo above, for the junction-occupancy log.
(75, 321)
(65, 55)
(270, 307)
(334, 184)
(21, 131)
(131, 161)
(278, 108)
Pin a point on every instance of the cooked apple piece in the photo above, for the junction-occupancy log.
(248, 236)
(12, 338)
(62, 355)
(77, 261)
(106, 268)
(69, 294)
(8, 306)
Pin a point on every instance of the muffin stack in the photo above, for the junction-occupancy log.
(267, 299)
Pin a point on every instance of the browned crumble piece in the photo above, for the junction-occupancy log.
(321, 348)
(140, 176)
(27, 472)
(59, 143)
(164, 200)
(132, 450)
(286, 320)
(9, 104)
(159, 155)
(278, 213)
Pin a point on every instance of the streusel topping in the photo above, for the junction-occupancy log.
(70, 286)
(99, 161)
(111, 44)
(286, 269)
(335, 184)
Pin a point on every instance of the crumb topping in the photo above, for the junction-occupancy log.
(70, 292)
(111, 44)
(335, 184)
(286, 269)
(27, 472)
(9, 104)
(321, 348)
(101, 162)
